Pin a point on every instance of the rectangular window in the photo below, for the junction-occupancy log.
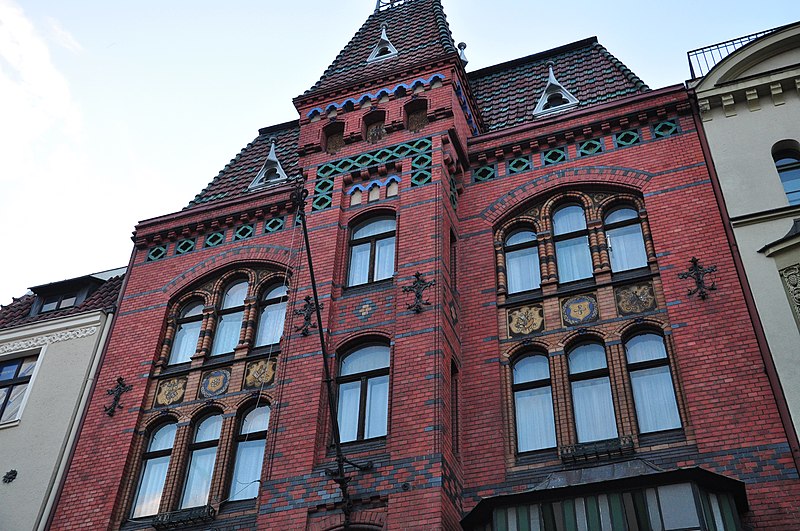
(15, 377)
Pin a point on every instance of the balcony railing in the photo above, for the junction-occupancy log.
(702, 60)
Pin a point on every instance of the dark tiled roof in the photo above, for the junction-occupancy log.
(508, 93)
(237, 175)
(18, 312)
(417, 28)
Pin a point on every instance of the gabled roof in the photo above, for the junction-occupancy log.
(417, 28)
(507, 93)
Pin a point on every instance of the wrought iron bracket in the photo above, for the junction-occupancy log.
(308, 311)
(698, 273)
(10, 476)
(116, 392)
(418, 287)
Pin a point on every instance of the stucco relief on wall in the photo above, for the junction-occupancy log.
(41, 341)
(791, 279)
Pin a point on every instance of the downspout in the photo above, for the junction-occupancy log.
(761, 338)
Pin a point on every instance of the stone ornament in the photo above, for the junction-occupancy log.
(791, 279)
(637, 298)
(579, 310)
(46, 340)
(215, 383)
(171, 391)
(259, 373)
(526, 320)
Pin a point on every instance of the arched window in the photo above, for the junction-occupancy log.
(364, 393)
(625, 239)
(653, 392)
(202, 457)
(187, 333)
(533, 404)
(372, 251)
(591, 393)
(249, 454)
(787, 162)
(229, 322)
(273, 314)
(573, 259)
(155, 463)
(522, 261)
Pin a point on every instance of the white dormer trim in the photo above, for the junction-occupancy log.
(554, 87)
(384, 49)
(271, 172)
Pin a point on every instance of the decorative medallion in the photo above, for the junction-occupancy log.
(259, 373)
(638, 298)
(171, 391)
(579, 310)
(365, 310)
(215, 383)
(526, 320)
(791, 279)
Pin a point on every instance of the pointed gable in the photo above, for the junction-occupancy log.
(419, 33)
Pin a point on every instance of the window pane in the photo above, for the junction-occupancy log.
(234, 296)
(209, 429)
(522, 267)
(530, 369)
(535, 423)
(523, 236)
(349, 395)
(270, 324)
(50, 304)
(3, 394)
(8, 369)
(14, 403)
(586, 358)
(276, 292)
(148, 497)
(678, 507)
(384, 258)
(28, 364)
(359, 265)
(377, 407)
(622, 214)
(654, 396)
(626, 248)
(192, 309)
(68, 301)
(365, 359)
(163, 438)
(594, 410)
(226, 337)
(573, 259)
(255, 421)
(568, 219)
(645, 347)
(198, 479)
(373, 228)
(247, 470)
(185, 343)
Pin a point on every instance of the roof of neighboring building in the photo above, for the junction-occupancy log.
(103, 297)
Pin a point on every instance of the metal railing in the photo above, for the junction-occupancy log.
(702, 60)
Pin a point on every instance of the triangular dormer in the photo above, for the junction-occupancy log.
(555, 97)
(384, 49)
(271, 172)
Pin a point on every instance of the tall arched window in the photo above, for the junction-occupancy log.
(187, 333)
(249, 454)
(229, 321)
(533, 404)
(364, 393)
(591, 393)
(573, 259)
(155, 463)
(653, 392)
(787, 162)
(372, 251)
(522, 261)
(273, 314)
(202, 457)
(625, 239)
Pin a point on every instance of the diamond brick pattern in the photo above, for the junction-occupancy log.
(214, 239)
(627, 138)
(519, 165)
(484, 173)
(665, 129)
(554, 156)
(185, 246)
(274, 225)
(590, 147)
(243, 232)
(157, 253)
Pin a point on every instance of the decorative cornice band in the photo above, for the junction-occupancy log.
(41, 341)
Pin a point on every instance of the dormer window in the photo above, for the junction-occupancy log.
(384, 49)
(58, 302)
(271, 172)
(555, 97)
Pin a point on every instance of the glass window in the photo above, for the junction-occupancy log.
(58, 302)
(573, 258)
(229, 320)
(625, 240)
(15, 377)
(364, 393)
(273, 313)
(249, 454)
(187, 333)
(533, 404)
(787, 162)
(372, 245)
(522, 261)
(202, 456)
(591, 393)
(155, 463)
(653, 392)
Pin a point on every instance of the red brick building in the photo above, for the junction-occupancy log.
(555, 376)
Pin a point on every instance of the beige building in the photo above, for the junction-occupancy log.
(51, 341)
(748, 94)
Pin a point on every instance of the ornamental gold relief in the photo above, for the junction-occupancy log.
(171, 391)
(637, 298)
(579, 310)
(525, 320)
(791, 279)
(259, 373)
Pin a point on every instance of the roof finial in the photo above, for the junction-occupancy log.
(461, 47)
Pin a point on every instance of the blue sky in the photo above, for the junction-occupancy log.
(113, 112)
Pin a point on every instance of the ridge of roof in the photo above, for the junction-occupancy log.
(511, 63)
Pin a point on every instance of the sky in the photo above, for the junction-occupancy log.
(113, 112)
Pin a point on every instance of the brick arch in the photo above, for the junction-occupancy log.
(208, 407)
(520, 349)
(600, 176)
(352, 340)
(227, 279)
(359, 521)
(514, 223)
(614, 200)
(576, 337)
(262, 398)
(567, 197)
(647, 324)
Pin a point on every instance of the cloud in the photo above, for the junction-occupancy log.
(62, 37)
